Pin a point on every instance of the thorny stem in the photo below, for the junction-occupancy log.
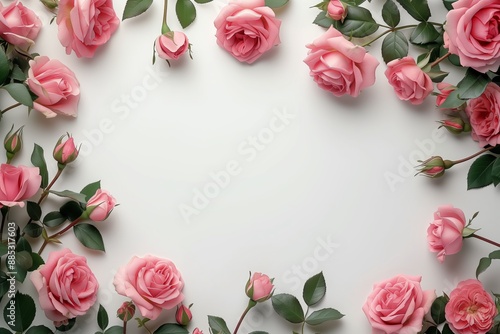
(58, 234)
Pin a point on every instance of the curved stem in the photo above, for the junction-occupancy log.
(389, 30)
(15, 105)
(472, 156)
(496, 244)
(57, 235)
(251, 304)
(164, 25)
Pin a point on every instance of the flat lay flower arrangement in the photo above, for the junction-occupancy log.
(342, 60)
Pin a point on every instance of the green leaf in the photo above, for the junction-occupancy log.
(424, 33)
(390, 13)
(171, 329)
(323, 20)
(34, 210)
(4, 66)
(495, 172)
(358, 23)
(276, 3)
(18, 74)
(472, 85)
(480, 172)
(437, 310)
(218, 325)
(495, 255)
(314, 289)
(23, 245)
(394, 46)
(484, 263)
(114, 330)
(19, 312)
(90, 189)
(5, 331)
(288, 307)
(447, 330)
(432, 330)
(41, 329)
(320, 316)
(418, 9)
(449, 4)
(36, 260)
(89, 236)
(202, 1)
(38, 160)
(70, 194)
(20, 93)
(102, 318)
(186, 12)
(135, 7)
(258, 332)
(71, 210)
(68, 326)
(3, 248)
(23, 263)
(4, 283)
(53, 219)
(33, 230)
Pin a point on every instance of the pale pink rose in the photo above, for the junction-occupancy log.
(66, 286)
(152, 283)
(18, 184)
(410, 83)
(259, 287)
(247, 29)
(197, 331)
(171, 45)
(444, 234)
(56, 86)
(100, 205)
(336, 10)
(65, 150)
(445, 90)
(484, 116)
(19, 25)
(471, 32)
(85, 25)
(470, 310)
(398, 305)
(339, 66)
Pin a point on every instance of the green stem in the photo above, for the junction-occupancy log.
(5, 211)
(304, 323)
(389, 30)
(496, 244)
(57, 235)
(146, 327)
(472, 156)
(164, 25)
(251, 304)
(440, 59)
(15, 105)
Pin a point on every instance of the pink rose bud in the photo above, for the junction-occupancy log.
(197, 331)
(172, 45)
(13, 142)
(259, 287)
(337, 10)
(65, 151)
(434, 167)
(455, 125)
(445, 90)
(444, 235)
(126, 311)
(183, 315)
(100, 205)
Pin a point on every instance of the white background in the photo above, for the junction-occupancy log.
(321, 180)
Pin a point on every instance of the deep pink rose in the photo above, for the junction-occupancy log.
(100, 205)
(339, 66)
(171, 45)
(84, 25)
(152, 283)
(444, 234)
(18, 184)
(398, 305)
(19, 25)
(66, 286)
(259, 287)
(484, 116)
(408, 80)
(247, 29)
(471, 32)
(56, 86)
(470, 310)
(336, 10)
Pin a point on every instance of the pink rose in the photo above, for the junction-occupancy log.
(445, 90)
(484, 116)
(339, 66)
(336, 10)
(398, 305)
(471, 32)
(408, 80)
(197, 331)
(171, 45)
(100, 205)
(470, 310)
(444, 234)
(259, 287)
(152, 283)
(84, 25)
(18, 184)
(19, 25)
(56, 86)
(247, 29)
(66, 286)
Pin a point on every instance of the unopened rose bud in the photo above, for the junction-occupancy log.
(13, 142)
(50, 4)
(100, 206)
(455, 125)
(259, 287)
(65, 150)
(172, 45)
(434, 167)
(183, 315)
(197, 331)
(337, 10)
(126, 311)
